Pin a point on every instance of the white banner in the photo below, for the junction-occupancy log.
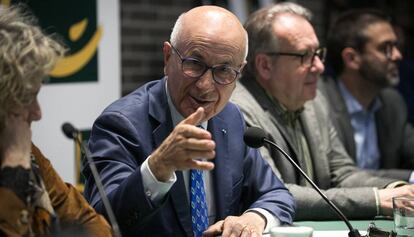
(80, 103)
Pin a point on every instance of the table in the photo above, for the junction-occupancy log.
(339, 228)
(361, 225)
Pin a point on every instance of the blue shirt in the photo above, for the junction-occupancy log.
(365, 130)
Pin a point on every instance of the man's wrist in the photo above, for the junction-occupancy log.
(159, 171)
(259, 214)
(155, 190)
(270, 220)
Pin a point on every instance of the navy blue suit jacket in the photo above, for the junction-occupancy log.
(130, 129)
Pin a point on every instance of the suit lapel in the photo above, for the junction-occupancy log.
(277, 129)
(313, 137)
(222, 181)
(383, 126)
(282, 128)
(340, 113)
(180, 203)
(263, 100)
(158, 109)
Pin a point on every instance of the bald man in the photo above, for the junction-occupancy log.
(171, 153)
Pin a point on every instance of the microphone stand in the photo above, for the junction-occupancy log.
(352, 232)
(74, 134)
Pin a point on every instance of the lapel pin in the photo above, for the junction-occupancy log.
(223, 131)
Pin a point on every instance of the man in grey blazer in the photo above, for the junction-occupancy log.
(370, 116)
(279, 94)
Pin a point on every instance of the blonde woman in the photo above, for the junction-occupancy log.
(34, 201)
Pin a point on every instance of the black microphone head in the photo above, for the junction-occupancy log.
(254, 137)
(69, 130)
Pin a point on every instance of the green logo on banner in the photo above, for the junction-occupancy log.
(76, 23)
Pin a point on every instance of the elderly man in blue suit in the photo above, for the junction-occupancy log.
(171, 154)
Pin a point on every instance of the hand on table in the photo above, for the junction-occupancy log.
(181, 149)
(248, 224)
(386, 195)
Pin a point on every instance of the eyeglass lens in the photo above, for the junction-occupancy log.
(321, 53)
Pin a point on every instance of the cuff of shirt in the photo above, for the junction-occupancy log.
(411, 179)
(377, 201)
(271, 220)
(154, 189)
(396, 184)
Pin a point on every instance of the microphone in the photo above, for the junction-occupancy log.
(69, 131)
(72, 133)
(256, 137)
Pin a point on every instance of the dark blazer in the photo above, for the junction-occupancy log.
(350, 188)
(130, 129)
(395, 134)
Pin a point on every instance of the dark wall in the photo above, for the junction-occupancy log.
(146, 24)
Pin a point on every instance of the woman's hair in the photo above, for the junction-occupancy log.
(27, 55)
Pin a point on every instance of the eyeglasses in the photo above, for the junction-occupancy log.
(306, 59)
(194, 68)
(388, 48)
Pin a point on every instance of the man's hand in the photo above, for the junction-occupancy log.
(386, 195)
(248, 224)
(182, 148)
(16, 140)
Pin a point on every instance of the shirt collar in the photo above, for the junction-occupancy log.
(353, 105)
(175, 115)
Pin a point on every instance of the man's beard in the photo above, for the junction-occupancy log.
(381, 75)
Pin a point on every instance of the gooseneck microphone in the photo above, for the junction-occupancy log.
(72, 133)
(256, 137)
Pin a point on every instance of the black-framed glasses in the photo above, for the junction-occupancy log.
(222, 74)
(306, 59)
(388, 48)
